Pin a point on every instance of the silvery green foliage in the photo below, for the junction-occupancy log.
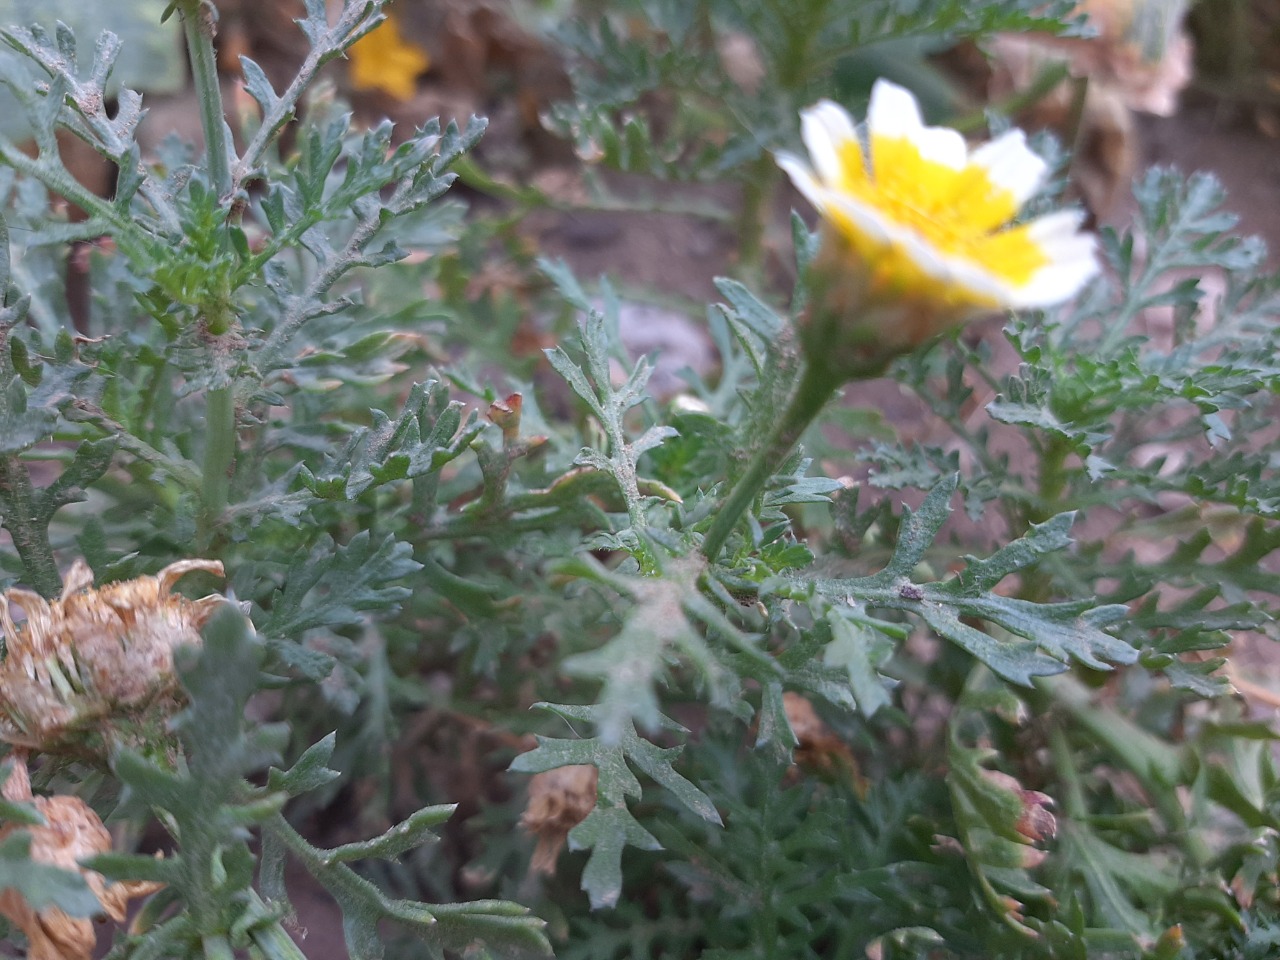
(434, 529)
(244, 293)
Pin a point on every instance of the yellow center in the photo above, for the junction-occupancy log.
(956, 212)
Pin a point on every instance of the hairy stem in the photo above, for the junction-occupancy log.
(815, 389)
(757, 196)
(199, 25)
(1064, 765)
(56, 178)
(178, 470)
(219, 458)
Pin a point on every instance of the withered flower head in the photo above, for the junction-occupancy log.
(71, 832)
(559, 800)
(92, 653)
(818, 749)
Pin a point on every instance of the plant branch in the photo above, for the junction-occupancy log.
(815, 389)
(353, 22)
(179, 470)
(219, 458)
(56, 178)
(199, 25)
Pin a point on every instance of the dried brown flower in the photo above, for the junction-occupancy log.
(559, 800)
(1139, 60)
(71, 832)
(818, 749)
(94, 653)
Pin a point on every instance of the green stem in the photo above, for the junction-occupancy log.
(1037, 583)
(28, 526)
(219, 459)
(351, 21)
(1075, 122)
(1053, 477)
(757, 195)
(199, 25)
(274, 942)
(199, 20)
(344, 884)
(598, 201)
(218, 947)
(1072, 797)
(1040, 87)
(1155, 764)
(815, 389)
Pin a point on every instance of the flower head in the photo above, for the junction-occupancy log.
(71, 831)
(559, 800)
(94, 655)
(818, 749)
(385, 61)
(923, 223)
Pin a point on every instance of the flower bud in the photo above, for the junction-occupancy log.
(1035, 820)
(559, 800)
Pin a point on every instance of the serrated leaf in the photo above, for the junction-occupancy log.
(309, 772)
(860, 652)
(611, 827)
(762, 321)
(408, 834)
(29, 415)
(135, 866)
(1052, 633)
(154, 63)
(658, 631)
(335, 586)
(605, 832)
(259, 87)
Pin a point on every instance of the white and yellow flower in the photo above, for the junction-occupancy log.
(927, 221)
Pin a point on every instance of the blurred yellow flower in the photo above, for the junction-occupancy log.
(926, 221)
(384, 60)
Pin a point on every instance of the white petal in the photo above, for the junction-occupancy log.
(943, 145)
(1059, 225)
(803, 178)
(868, 219)
(1053, 284)
(922, 253)
(978, 281)
(1072, 262)
(894, 113)
(1012, 165)
(928, 258)
(825, 128)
